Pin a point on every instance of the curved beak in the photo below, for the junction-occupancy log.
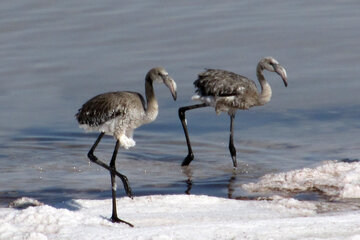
(171, 84)
(282, 72)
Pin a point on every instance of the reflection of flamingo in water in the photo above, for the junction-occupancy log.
(228, 92)
(230, 186)
(118, 114)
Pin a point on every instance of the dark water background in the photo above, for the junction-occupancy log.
(55, 55)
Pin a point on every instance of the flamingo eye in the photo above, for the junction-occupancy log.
(273, 64)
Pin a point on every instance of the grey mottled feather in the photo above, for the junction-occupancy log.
(220, 83)
(216, 82)
(107, 106)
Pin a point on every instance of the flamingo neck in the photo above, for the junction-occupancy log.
(266, 92)
(152, 107)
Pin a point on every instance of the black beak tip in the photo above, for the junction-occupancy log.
(285, 82)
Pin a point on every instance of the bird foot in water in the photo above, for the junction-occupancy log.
(234, 163)
(188, 159)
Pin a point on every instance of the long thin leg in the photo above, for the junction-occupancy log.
(231, 140)
(114, 217)
(182, 117)
(94, 159)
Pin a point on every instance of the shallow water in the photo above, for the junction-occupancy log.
(56, 55)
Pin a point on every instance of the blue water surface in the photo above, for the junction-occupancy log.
(55, 55)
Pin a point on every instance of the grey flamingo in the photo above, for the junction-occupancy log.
(227, 92)
(118, 114)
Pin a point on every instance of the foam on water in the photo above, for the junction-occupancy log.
(332, 178)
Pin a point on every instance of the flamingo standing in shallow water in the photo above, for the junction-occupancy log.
(227, 92)
(118, 114)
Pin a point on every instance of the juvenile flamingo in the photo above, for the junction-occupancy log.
(227, 92)
(118, 114)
